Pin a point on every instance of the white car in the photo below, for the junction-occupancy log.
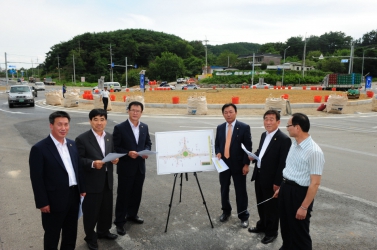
(39, 86)
(21, 95)
(260, 86)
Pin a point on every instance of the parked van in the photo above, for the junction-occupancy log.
(116, 86)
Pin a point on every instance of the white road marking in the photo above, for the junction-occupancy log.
(344, 195)
(347, 150)
(15, 112)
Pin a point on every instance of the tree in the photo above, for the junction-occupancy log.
(167, 67)
(226, 58)
(193, 66)
(263, 66)
(332, 65)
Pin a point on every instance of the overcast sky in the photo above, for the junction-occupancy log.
(29, 28)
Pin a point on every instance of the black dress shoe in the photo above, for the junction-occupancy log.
(224, 217)
(92, 246)
(255, 230)
(120, 230)
(136, 219)
(108, 236)
(268, 239)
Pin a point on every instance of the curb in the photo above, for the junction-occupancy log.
(239, 106)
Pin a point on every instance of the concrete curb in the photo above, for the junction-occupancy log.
(239, 106)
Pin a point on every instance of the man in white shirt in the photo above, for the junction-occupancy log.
(272, 152)
(93, 145)
(105, 98)
(301, 180)
(57, 183)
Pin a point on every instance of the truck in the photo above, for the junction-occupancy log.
(34, 79)
(48, 81)
(342, 81)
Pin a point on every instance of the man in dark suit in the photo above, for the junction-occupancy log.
(57, 183)
(93, 146)
(229, 137)
(130, 137)
(273, 150)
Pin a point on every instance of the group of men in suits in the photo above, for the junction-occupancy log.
(62, 170)
(300, 180)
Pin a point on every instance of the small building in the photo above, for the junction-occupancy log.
(260, 58)
(296, 66)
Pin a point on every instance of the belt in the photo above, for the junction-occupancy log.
(73, 186)
(286, 181)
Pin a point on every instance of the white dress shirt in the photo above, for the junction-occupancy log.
(101, 143)
(135, 129)
(66, 158)
(266, 142)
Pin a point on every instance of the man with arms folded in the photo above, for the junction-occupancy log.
(94, 145)
(301, 179)
(273, 149)
(57, 183)
(130, 137)
(229, 137)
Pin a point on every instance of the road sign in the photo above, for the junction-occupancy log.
(368, 82)
(112, 65)
(135, 66)
(11, 66)
(141, 81)
(344, 61)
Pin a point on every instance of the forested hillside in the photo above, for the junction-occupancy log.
(166, 56)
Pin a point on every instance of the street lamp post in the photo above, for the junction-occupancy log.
(362, 67)
(126, 65)
(282, 78)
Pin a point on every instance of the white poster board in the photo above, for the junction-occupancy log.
(184, 151)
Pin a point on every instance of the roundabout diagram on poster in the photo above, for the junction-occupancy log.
(184, 151)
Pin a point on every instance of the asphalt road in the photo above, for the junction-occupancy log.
(345, 209)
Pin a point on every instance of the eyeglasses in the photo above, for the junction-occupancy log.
(290, 125)
(135, 111)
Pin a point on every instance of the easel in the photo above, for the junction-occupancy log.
(180, 196)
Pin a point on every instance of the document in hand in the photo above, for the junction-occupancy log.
(249, 153)
(146, 153)
(219, 164)
(112, 156)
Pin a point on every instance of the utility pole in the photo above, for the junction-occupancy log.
(350, 64)
(32, 68)
(111, 64)
(74, 71)
(59, 68)
(206, 56)
(303, 61)
(126, 74)
(252, 75)
(38, 67)
(6, 68)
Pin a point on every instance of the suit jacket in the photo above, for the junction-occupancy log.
(49, 177)
(124, 142)
(241, 134)
(90, 151)
(273, 160)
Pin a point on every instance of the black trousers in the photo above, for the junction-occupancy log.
(98, 210)
(239, 181)
(130, 189)
(64, 222)
(105, 101)
(268, 211)
(295, 233)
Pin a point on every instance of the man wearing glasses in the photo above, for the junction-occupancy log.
(301, 179)
(130, 137)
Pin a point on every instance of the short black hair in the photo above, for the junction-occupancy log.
(57, 114)
(135, 103)
(272, 112)
(302, 120)
(228, 105)
(97, 112)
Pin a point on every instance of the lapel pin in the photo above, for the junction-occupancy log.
(108, 139)
(70, 145)
(274, 139)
